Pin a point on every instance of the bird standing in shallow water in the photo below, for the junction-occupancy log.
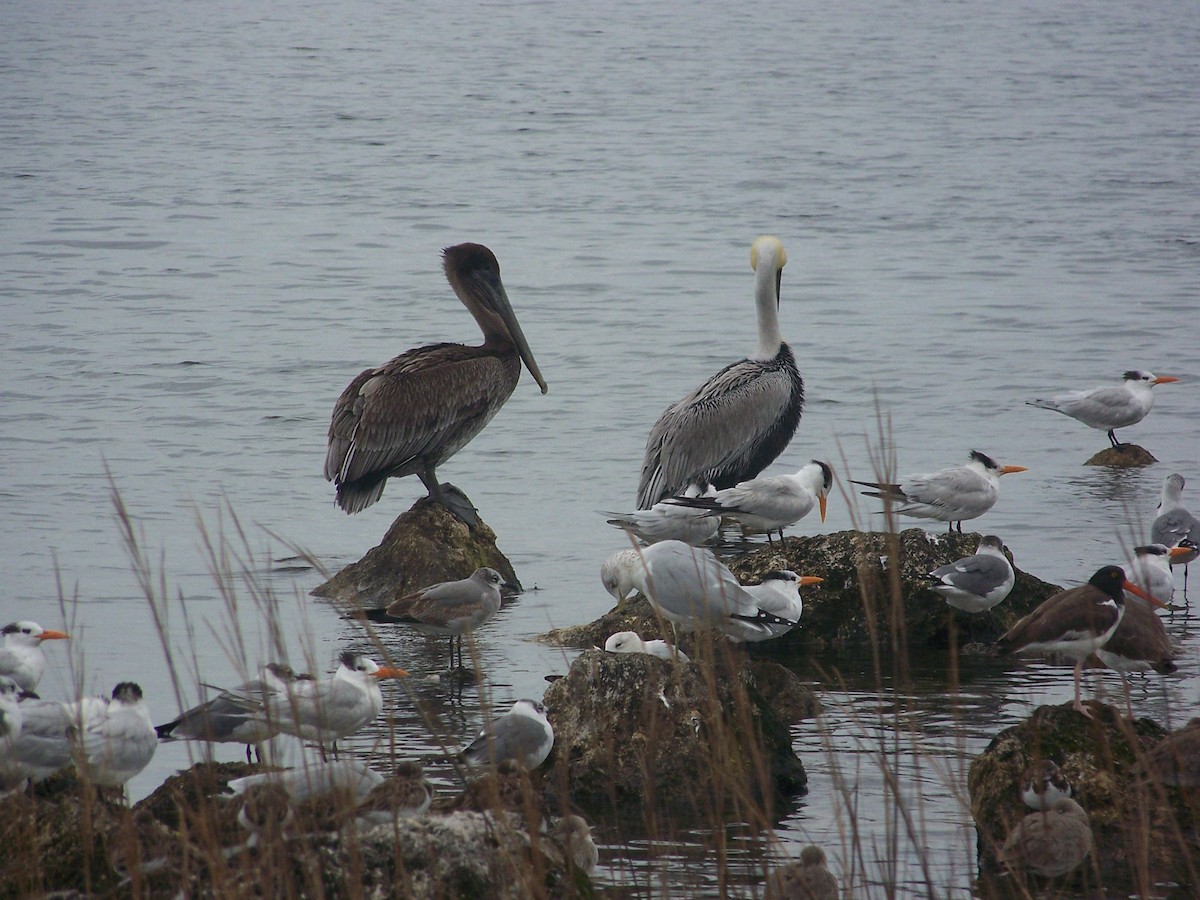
(1175, 523)
(734, 425)
(1108, 407)
(1075, 622)
(410, 415)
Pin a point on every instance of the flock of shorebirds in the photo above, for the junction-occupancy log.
(701, 472)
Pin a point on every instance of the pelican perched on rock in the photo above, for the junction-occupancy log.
(734, 425)
(410, 415)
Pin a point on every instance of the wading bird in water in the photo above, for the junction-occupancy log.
(410, 415)
(735, 424)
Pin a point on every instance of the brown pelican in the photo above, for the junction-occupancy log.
(412, 414)
(734, 425)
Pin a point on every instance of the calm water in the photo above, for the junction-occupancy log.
(213, 215)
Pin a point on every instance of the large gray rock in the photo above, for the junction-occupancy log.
(1143, 831)
(632, 731)
(426, 545)
(874, 588)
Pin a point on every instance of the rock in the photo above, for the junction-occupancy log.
(632, 730)
(73, 843)
(1125, 456)
(426, 545)
(854, 605)
(1139, 828)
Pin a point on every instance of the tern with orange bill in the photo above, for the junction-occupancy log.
(21, 657)
(769, 504)
(1108, 407)
(1075, 622)
(950, 495)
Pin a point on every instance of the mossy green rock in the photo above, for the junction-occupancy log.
(426, 545)
(1142, 831)
(636, 732)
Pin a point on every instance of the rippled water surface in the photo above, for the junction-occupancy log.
(213, 215)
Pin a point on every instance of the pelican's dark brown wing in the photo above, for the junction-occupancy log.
(411, 414)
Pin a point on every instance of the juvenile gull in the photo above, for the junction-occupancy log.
(410, 415)
(978, 582)
(450, 609)
(1050, 843)
(950, 495)
(21, 657)
(807, 878)
(522, 734)
(736, 423)
(1108, 407)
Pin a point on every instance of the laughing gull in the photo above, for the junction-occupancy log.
(523, 734)
(630, 642)
(667, 520)
(976, 583)
(1175, 524)
(236, 716)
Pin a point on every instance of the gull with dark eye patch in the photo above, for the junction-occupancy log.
(1175, 526)
(978, 582)
(410, 415)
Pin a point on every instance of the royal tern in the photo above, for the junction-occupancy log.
(630, 642)
(694, 591)
(523, 734)
(1042, 784)
(410, 415)
(1109, 407)
(334, 707)
(117, 741)
(669, 521)
(236, 716)
(574, 836)
(450, 609)
(779, 594)
(21, 657)
(770, 503)
(976, 583)
(1174, 524)
(734, 425)
(1050, 843)
(1150, 568)
(405, 794)
(621, 574)
(951, 495)
(807, 878)
(1075, 622)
